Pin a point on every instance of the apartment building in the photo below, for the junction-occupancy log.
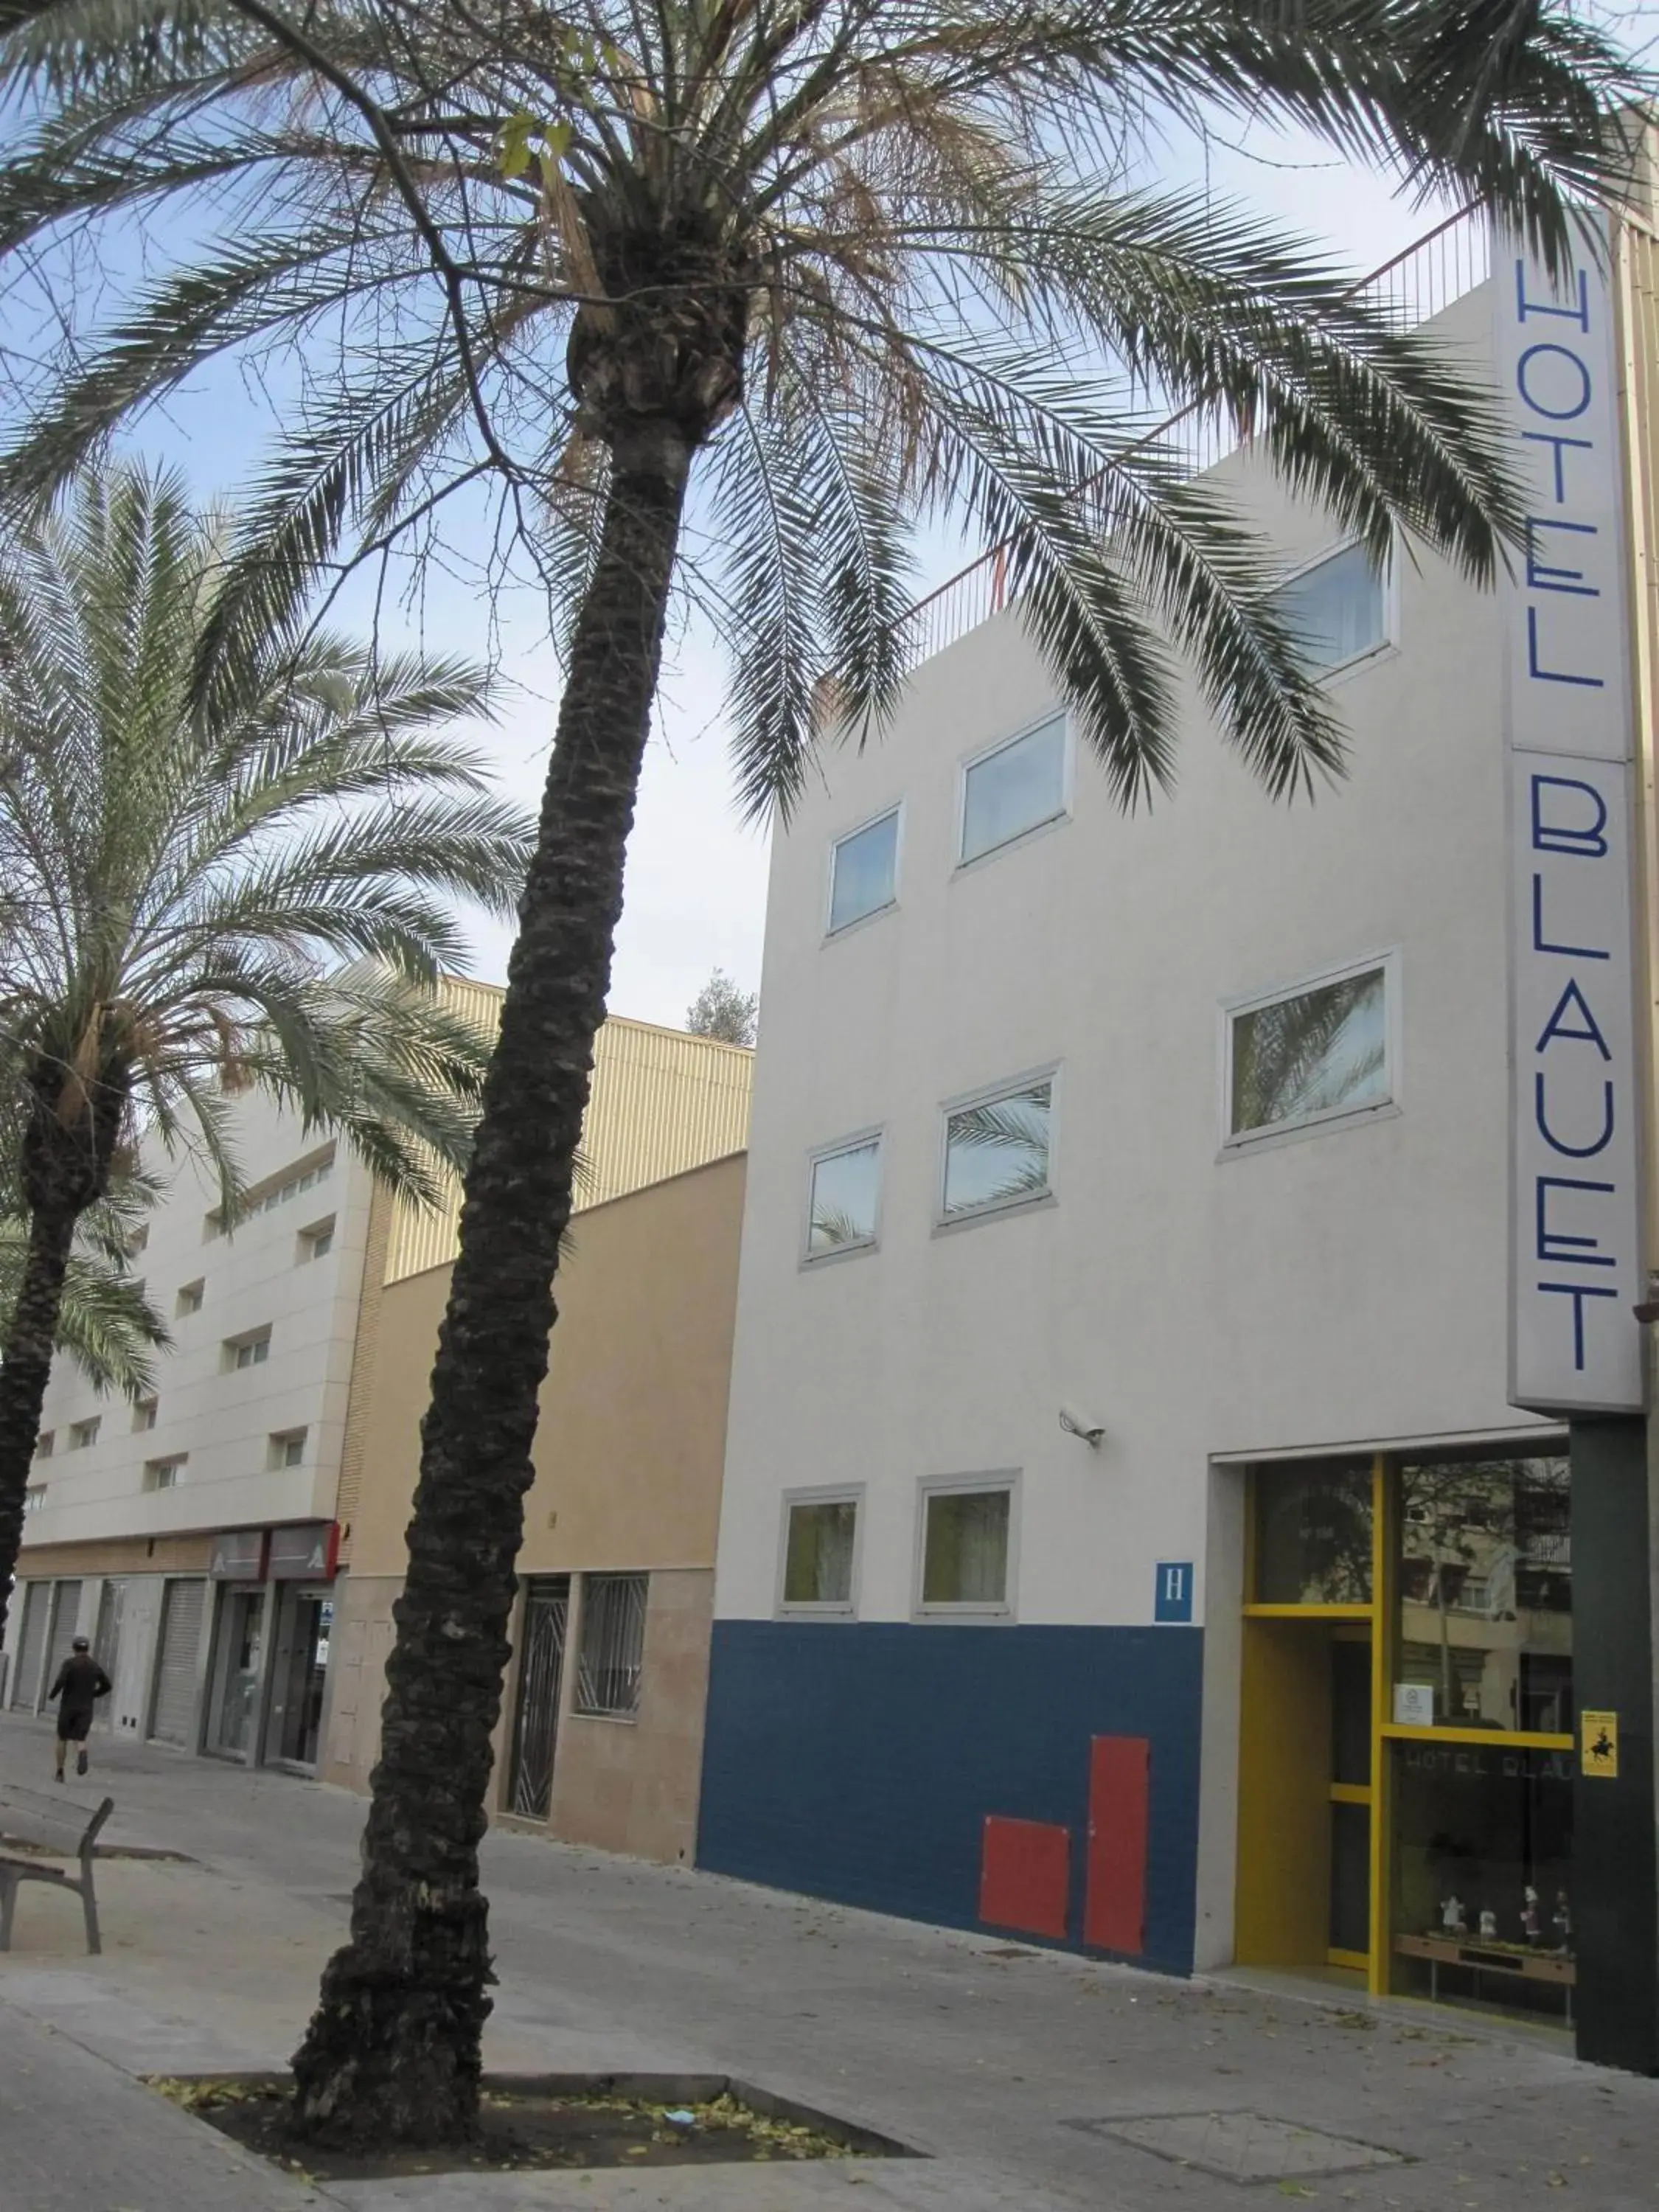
(203, 1538)
(1187, 1492)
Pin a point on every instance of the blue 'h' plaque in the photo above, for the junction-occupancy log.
(1174, 1600)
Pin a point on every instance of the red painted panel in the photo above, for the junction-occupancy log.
(1025, 1877)
(1114, 1902)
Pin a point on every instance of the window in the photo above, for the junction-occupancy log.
(163, 1473)
(864, 872)
(1017, 788)
(964, 1547)
(1311, 1532)
(316, 1243)
(247, 1351)
(612, 1654)
(845, 1185)
(996, 1150)
(82, 1433)
(819, 1535)
(1310, 1055)
(42, 1444)
(35, 1496)
(1337, 609)
(287, 1450)
(191, 1296)
(143, 1415)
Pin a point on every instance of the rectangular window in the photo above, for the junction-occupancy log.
(996, 1150)
(318, 1241)
(1337, 609)
(864, 872)
(1310, 1055)
(162, 1474)
(845, 1187)
(44, 1442)
(818, 1560)
(82, 1433)
(612, 1654)
(144, 1415)
(191, 1295)
(964, 1549)
(1311, 1536)
(287, 1449)
(1017, 788)
(247, 1351)
(35, 1496)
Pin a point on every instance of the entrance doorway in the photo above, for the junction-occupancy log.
(233, 1695)
(1304, 1837)
(305, 1629)
(541, 1677)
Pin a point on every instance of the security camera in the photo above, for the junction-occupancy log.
(1074, 1424)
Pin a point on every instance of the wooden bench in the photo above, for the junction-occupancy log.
(58, 1828)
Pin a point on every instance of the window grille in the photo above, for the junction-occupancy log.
(612, 1654)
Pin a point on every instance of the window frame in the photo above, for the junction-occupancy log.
(992, 1095)
(83, 1435)
(1008, 1478)
(248, 1341)
(322, 1232)
(579, 1710)
(1390, 638)
(834, 930)
(34, 1499)
(278, 1443)
(878, 1136)
(190, 1298)
(146, 1413)
(1280, 1132)
(835, 1493)
(969, 762)
(170, 1463)
(45, 1445)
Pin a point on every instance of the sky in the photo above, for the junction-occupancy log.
(695, 890)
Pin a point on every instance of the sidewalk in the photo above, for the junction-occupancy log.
(1034, 2081)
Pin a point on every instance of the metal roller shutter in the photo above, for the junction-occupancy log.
(65, 1612)
(31, 1642)
(176, 1661)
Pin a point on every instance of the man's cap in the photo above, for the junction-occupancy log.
(80, 1644)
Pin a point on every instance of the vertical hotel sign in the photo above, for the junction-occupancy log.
(1574, 1258)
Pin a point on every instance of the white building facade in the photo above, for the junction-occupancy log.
(191, 1536)
(1128, 1537)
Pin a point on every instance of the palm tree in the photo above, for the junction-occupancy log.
(105, 1321)
(178, 881)
(723, 295)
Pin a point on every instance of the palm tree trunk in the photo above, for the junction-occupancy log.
(392, 2053)
(25, 1370)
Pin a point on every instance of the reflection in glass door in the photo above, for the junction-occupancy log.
(236, 1673)
(305, 1631)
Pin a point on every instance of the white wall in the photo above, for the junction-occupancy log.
(254, 1279)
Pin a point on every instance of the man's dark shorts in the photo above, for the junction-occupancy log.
(72, 1726)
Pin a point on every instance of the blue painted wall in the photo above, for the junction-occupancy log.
(857, 1760)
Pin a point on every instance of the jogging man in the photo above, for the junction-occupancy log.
(80, 1681)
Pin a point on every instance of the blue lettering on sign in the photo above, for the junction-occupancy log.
(1561, 443)
(1578, 1292)
(1540, 1115)
(1541, 944)
(1587, 843)
(1173, 1600)
(1526, 376)
(1525, 308)
(1543, 576)
(1555, 1243)
(1539, 674)
(1555, 1030)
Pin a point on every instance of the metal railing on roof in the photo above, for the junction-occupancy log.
(1438, 270)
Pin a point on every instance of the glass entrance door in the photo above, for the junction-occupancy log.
(233, 1711)
(1350, 1663)
(299, 1686)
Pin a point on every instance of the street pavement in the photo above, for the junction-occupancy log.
(1031, 2082)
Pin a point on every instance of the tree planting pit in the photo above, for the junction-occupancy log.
(542, 2123)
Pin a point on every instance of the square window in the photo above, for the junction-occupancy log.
(317, 1242)
(1337, 609)
(996, 1151)
(191, 1296)
(35, 1496)
(44, 1443)
(162, 1474)
(288, 1448)
(1017, 788)
(144, 1414)
(864, 872)
(82, 1433)
(612, 1654)
(248, 1351)
(845, 1188)
(965, 1546)
(819, 1537)
(1310, 1055)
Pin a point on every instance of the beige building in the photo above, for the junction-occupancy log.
(601, 1735)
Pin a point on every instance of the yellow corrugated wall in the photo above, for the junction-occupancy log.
(662, 1101)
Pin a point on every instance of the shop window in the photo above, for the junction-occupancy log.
(1018, 787)
(845, 1185)
(1312, 1533)
(1482, 1908)
(997, 1151)
(864, 872)
(1309, 1055)
(611, 1660)
(1484, 1609)
(1337, 609)
(964, 1549)
(818, 1552)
